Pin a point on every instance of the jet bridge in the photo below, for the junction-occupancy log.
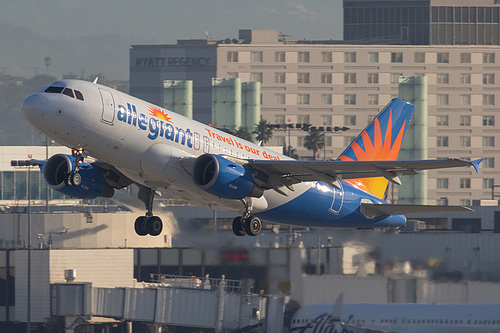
(205, 303)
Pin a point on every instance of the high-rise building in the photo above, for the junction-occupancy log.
(331, 84)
(422, 22)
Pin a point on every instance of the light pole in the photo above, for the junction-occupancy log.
(28, 325)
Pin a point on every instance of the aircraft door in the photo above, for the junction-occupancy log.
(108, 107)
(338, 199)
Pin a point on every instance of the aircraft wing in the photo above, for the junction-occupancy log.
(372, 210)
(289, 172)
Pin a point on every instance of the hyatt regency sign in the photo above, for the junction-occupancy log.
(172, 62)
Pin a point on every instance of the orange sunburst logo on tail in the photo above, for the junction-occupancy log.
(378, 149)
(158, 113)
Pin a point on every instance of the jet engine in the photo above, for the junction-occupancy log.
(58, 169)
(224, 178)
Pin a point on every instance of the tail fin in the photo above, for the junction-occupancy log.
(380, 141)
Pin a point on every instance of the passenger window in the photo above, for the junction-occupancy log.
(54, 90)
(79, 95)
(68, 92)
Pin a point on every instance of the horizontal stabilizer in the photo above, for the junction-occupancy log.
(372, 210)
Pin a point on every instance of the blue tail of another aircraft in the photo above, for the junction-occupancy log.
(380, 141)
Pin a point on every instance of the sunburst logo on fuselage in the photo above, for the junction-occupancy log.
(159, 113)
(377, 148)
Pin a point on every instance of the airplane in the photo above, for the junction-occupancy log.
(117, 140)
(396, 318)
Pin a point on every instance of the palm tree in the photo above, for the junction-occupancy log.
(314, 141)
(244, 134)
(263, 130)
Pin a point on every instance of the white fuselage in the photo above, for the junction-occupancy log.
(402, 318)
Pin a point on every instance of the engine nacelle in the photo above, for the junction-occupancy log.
(223, 178)
(56, 172)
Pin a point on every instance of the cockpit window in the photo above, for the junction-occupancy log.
(79, 95)
(68, 92)
(54, 90)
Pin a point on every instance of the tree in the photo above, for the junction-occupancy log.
(244, 134)
(263, 130)
(292, 153)
(314, 141)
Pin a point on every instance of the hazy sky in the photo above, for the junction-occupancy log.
(94, 32)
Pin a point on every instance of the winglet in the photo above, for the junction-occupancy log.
(337, 309)
(476, 163)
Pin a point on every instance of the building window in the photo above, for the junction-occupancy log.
(350, 99)
(328, 141)
(443, 78)
(489, 78)
(443, 57)
(464, 182)
(420, 57)
(279, 56)
(326, 56)
(442, 99)
(326, 99)
(442, 120)
(372, 56)
(256, 77)
(349, 120)
(326, 120)
(464, 202)
(232, 75)
(441, 183)
(304, 56)
(348, 140)
(303, 78)
(326, 77)
(465, 58)
(465, 99)
(442, 201)
(465, 141)
(442, 141)
(232, 56)
(349, 77)
(489, 58)
(488, 120)
(396, 56)
(303, 118)
(488, 182)
(349, 56)
(395, 77)
(488, 141)
(372, 77)
(303, 98)
(279, 77)
(464, 120)
(489, 99)
(280, 98)
(372, 99)
(465, 78)
(489, 162)
(256, 56)
(279, 119)
(280, 141)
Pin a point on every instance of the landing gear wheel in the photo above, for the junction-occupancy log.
(76, 179)
(238, 227)
(154, 225)
(253, 226)
(140, 226)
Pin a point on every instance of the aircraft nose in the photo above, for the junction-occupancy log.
(34, 107)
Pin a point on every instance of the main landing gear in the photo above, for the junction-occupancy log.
(74, 178)
(249, 225)
(148, 224)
